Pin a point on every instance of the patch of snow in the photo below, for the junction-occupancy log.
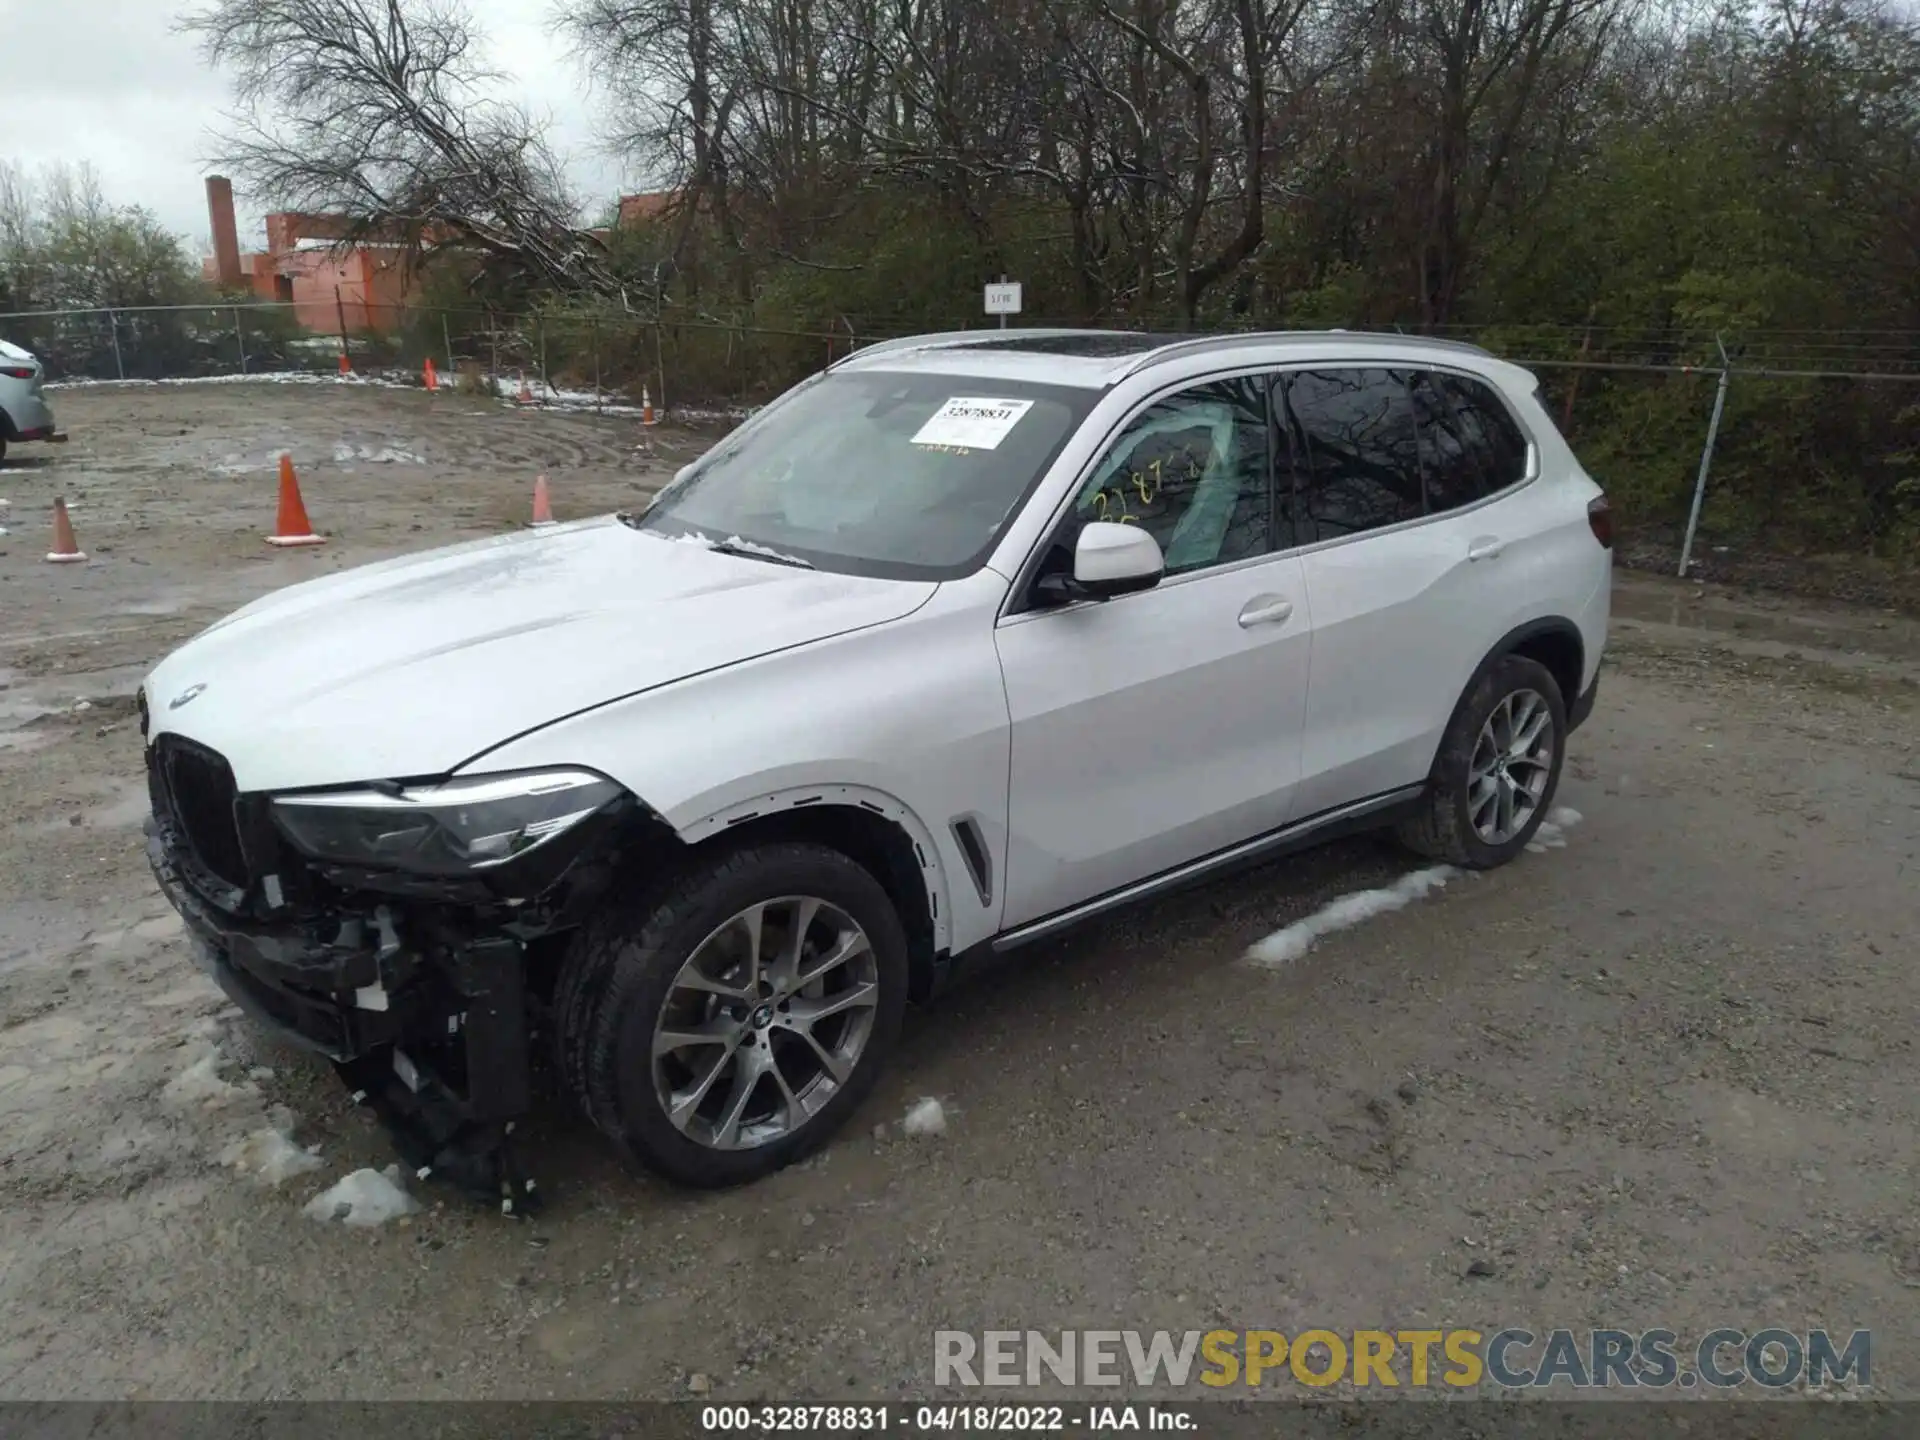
(269, 1154)
(200, 1087)
(700, 415)
(1552, 834)
(363, 1199)
(542, 393)
(734, 542)
(606, 402)
(258, 377)
(925, 1118)
(4, 531)
(386, 455)
(1344, 913)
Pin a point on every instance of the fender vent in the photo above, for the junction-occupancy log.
(973, 849)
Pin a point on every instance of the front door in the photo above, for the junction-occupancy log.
(1156, 728)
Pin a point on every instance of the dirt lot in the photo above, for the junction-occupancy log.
(1665, 1075)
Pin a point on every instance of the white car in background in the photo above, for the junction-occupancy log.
(962, 641)
(24, 412)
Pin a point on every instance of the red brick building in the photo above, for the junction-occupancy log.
(301, 266)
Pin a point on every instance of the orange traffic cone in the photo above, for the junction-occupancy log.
(346, 365)
(292, 526)
(542, 504)
(65, 550)
(646, 407)
(432, 377)
(525, 396)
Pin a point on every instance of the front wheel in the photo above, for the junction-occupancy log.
(1497, 770)
(729, 1025)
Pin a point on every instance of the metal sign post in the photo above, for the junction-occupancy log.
(1003, 299)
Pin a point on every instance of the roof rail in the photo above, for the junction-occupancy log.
(1221, 342)
(950, 339)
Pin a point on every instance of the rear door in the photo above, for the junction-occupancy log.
(1408, 488)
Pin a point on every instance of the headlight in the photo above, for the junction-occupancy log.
(449, 829)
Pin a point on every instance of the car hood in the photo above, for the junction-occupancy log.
(410, 667)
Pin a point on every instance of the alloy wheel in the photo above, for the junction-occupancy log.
(764, 1022)
(1512, 763)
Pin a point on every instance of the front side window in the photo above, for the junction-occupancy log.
(1191, 470)
(1355, 451)
(894, 474)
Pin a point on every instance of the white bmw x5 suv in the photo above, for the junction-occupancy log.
(966, 639)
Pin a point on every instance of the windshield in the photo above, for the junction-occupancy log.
(906, 476)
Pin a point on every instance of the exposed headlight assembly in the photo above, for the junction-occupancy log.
(455, 828)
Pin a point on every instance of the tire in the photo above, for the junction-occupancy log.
(656, 965)
(1445, 828)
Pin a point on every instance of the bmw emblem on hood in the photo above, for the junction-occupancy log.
(184, 696)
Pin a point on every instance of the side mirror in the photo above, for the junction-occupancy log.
(1111, 559)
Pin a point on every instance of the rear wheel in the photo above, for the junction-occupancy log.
(730, 1024)
(1497, 770)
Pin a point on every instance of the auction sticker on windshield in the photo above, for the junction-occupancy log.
(972, 424)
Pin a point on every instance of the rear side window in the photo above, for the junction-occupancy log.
(1355, 449)
(1470, 445)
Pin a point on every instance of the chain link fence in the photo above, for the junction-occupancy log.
(600, 353)
(1713, 444)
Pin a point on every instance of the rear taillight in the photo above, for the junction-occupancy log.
(17, 372)
(1600, 520)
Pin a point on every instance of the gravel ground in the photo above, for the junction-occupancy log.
(1664, 1075)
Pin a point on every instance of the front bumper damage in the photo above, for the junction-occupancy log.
(437, 1046)
(418, 993)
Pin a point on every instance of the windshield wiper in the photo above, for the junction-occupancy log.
(734, 545)
(755, 552)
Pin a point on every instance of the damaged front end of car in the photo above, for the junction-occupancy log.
(407, 931)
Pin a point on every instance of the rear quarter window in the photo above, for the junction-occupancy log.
(1490, 429)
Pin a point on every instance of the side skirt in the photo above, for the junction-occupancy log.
(1373, 813)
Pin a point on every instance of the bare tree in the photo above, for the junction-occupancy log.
(666, 67)
(1475, 83)
(378, 110)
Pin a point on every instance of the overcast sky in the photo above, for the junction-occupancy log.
(107, 81)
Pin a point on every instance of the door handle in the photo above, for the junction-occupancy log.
(1487, 547)
(1264, 610)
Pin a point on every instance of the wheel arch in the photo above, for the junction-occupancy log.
(872, 829)
(1554, 641)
